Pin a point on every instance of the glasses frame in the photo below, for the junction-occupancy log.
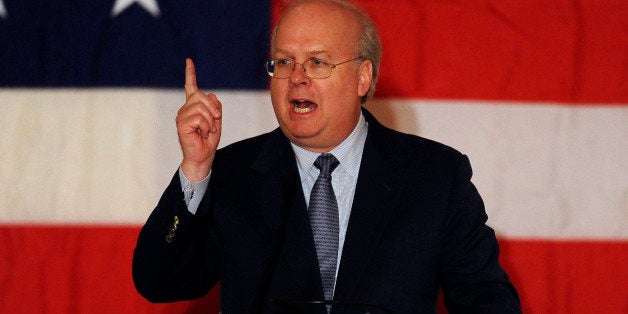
(294, 66)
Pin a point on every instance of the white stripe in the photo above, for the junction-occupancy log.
(105, 156)
(99, 156)
(544, 170)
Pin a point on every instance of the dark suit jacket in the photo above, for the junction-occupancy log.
(417, 224)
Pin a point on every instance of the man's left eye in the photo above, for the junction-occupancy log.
(318, 62)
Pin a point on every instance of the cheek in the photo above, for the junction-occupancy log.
(277, 92)
(343, 92)
(273, 87)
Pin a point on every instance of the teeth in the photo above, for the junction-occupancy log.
(303, 110)
(303, 106)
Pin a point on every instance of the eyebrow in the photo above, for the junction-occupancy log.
(312, 53)
(318, 52)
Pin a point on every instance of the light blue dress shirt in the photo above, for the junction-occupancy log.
(343, 179)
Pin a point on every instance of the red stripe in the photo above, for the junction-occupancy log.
(71, 269)
(568, 276)
(565, 51)
(74, 269)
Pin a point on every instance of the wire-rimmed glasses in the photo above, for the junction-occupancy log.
(312, 68)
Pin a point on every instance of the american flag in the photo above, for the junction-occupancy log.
(535, 92)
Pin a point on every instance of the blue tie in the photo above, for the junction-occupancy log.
(323, 213)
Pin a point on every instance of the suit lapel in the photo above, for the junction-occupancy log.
(375, 199)
(300, 253)
(278, 191)
(272, 184)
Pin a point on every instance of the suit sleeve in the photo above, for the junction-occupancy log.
(175, 257)
(472, 279)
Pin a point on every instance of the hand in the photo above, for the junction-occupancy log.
(199, 125)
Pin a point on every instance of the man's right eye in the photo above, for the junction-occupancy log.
(283, 62)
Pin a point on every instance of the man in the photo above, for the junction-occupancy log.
(399, 217)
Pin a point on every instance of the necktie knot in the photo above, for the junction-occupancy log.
(326, 163)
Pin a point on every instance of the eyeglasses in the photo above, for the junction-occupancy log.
(313, 68)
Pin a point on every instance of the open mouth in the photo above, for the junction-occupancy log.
(303, 106)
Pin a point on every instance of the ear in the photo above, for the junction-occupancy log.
(365, 77)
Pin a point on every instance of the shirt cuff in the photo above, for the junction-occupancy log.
(193, 192)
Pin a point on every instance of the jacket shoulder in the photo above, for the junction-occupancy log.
(409, 149)
(395, 145)
(248, 149)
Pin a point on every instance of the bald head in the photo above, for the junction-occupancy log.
(344, 19)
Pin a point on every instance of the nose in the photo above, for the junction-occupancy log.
(298, 75)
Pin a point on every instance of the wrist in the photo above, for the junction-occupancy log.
(195, 172)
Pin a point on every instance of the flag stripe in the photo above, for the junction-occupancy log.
(568, 276)
(76, 269)
(566, 51)
(87, 269)
(544, 171)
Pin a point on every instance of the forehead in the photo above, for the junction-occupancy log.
(315, 27)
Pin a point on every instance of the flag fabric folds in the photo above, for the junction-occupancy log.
(534, 92)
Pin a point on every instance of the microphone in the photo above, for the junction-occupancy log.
(343, 306)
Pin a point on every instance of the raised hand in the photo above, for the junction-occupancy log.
(199, 125)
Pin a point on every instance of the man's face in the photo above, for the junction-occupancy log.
(317, 114)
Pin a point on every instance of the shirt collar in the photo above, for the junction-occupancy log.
(348, 153)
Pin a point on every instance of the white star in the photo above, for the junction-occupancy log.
(149, 5)
(3, 11)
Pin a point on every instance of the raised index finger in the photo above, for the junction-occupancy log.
(190, 78)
